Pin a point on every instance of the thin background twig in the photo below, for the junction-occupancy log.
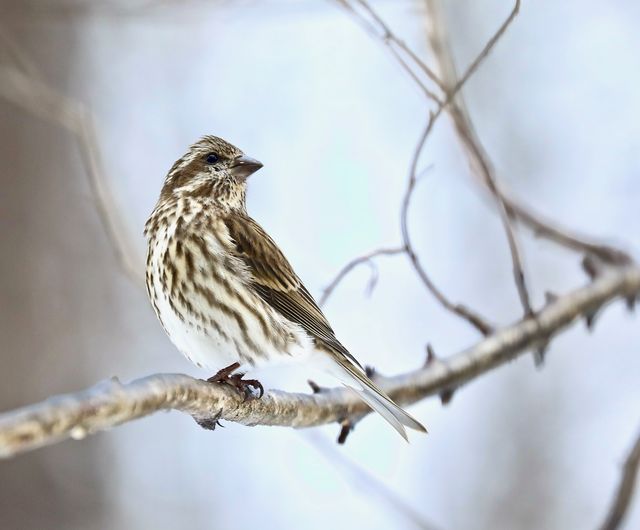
(390, 39)
(22, 85)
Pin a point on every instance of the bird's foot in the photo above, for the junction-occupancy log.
(227, 376)
(245, 384)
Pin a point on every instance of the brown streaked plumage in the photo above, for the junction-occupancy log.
(223, 290)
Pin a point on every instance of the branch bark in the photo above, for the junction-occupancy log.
(112, 403)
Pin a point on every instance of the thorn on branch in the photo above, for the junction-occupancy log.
(431, 355)
(540, 354)
(631, 302)
(446, 396)
(315, 387)
(590, 319)
(550, 297)
(345, 430)
(592, 265)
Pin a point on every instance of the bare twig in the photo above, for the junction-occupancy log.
(377, 28)
(328, 290)
(112, 403)
(389, 37)
(439, 43)
(22, 86)
(477, 156)
(561, 236)
(459, 309)
(383, 33)
(626, 487)
(485, 51)
(398, 47)
(452, 94)
(454, 104)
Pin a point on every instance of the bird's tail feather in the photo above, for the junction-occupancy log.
(377, 399)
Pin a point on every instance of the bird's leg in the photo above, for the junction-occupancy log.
(227, 376)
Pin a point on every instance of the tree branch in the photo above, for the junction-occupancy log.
(451, 91)
(624, 493)
(112, 403)
(461, 310)
(439, 43)
(478, 158)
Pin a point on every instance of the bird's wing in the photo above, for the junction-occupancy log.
(277, 284)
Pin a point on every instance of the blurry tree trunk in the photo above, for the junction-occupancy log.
(41, 316)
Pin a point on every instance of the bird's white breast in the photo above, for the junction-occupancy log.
(203, 305)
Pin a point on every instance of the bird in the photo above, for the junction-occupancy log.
(224, 292)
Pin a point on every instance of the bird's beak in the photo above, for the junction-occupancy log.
(244, 166)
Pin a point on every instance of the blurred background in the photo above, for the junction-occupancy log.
(301, 87)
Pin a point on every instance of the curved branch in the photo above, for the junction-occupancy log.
(112, 403)
(451, 91)
(459, 309)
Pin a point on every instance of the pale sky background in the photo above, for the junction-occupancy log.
(301, 87)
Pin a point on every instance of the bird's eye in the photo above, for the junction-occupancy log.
(211, 158)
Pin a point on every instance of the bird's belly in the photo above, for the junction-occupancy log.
(217, 330)
(206, 349)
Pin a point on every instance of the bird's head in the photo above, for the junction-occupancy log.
(211, 168)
